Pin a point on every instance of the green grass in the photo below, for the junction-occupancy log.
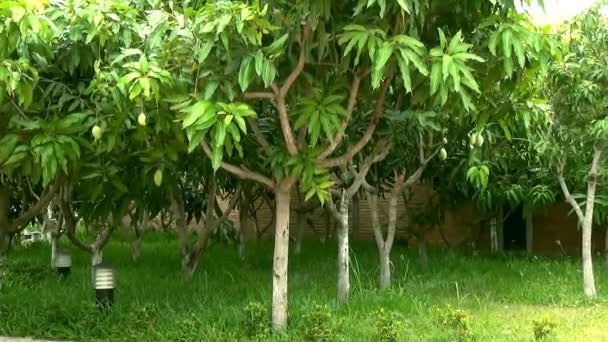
(503, 295)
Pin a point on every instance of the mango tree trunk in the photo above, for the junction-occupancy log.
(281, 255)
(343, 250)
(385, 269)
(585, 219)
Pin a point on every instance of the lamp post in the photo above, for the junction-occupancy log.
(63, 264)
(104, 285)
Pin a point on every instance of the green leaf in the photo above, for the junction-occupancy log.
(195, 139)
(7, 145)
(416, 60)
(241, 123)
(220, 135)
(145, 85)
(519, 52)
(327, 128)
(447, 63)
(435, 78)
(442, 39)
(277, 46)
(204, 51)
(493, 43)
(268, 73)
(216, 160)
(506, 43)
(203, 110)
(382, 56)
(246, 73)
(210, 89)
(405, 74)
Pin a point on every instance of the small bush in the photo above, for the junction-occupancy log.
(318, 324)
(544, 328)
(257, 320)
(389, 326)
(457, 320)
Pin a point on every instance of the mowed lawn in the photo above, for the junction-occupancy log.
(503, 295)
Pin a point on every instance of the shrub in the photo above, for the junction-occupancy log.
(257, 320)
(457, 320)
(544, 328)
(318, 324)
(389, 326)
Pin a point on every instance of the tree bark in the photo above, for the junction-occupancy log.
(385, 245)
(500, 235)
(585, 220)
(493, 235)
(385, 269)
(530, 233)
(343, 250)
(140, 228)
(281, 255)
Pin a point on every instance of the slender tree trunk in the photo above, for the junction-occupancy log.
(343, 250)
(588, 278)
(493, 236)
(140, 228)
(385, 269)
(281, 255)
(500, 235)
(530, 233)
(136, 244)
(385, 245)
(585, 219)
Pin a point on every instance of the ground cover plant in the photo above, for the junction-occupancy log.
(505, 298)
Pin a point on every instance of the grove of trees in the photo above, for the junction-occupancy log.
(189, 109)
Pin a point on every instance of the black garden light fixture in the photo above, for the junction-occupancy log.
(63, 264)
(104, 285)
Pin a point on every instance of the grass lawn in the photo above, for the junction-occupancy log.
(502, 295)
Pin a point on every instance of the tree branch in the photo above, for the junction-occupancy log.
(42, 202)
(569, 198)
(380, 152)
(371, 128)
(288, 135)
(331, 207)
(259, 95)
(70, 226)
(301, 62)
(241, 172)
(259, 135)
(350, 107)
(372, 200)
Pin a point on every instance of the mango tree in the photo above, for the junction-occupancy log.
(41, 128)
(578, 137)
